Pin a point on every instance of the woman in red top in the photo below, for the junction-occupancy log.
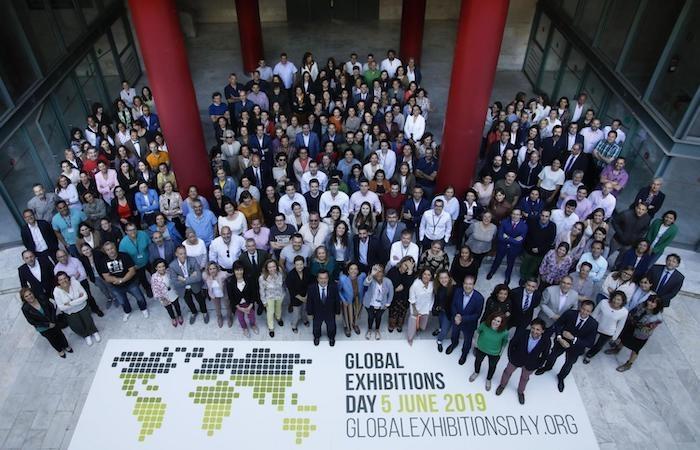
(123, 210)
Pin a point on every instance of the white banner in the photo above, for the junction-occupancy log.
(158, 394)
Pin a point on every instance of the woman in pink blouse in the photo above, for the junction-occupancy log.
(555, 265)
(106, 181)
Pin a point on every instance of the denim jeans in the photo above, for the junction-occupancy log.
(132, 287)
(445, 324)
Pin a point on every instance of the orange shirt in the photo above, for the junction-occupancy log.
(156, 159)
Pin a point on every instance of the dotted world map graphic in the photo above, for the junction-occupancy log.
(217, 382)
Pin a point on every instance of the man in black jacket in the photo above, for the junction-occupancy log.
(666, 280)
(630, 226)
(366, 249)
(323, 303)
(38, 236)
(552, 147)
(528, 350)
(523, 301)
(36, 274)
(573, 332)
(539, 239)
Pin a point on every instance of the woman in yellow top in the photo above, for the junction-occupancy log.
(165, 175)
(250, 208)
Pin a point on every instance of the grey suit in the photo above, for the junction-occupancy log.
(193, 278)
(143, 147)
(168, 251)
(549, 307)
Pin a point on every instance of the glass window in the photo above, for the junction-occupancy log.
(596, 90)
(16, 69)
(121, 39)
(70, 104)
(642, 156)
(617, 25)
(89, 82)
(589, 19)
(617, 110)
(10, 230)
(646, 47)
(89, 10)
(681, 72)
(49, 139)
(41, 32)
(695, 128)
(573, 73)
(108, 65)
(18, 172)
(569, 7)
(552, 63)
(130, 64)
(69, 22)
(542, 30)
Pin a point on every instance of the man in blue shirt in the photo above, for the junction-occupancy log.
(217, 108)
(135, 244)
(426, 172)
(65, 224)
(202, 221)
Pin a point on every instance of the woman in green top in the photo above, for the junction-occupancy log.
(322, 260)
(661, 233)
(493, 338)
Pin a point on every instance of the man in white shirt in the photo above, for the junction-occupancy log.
(314, 233)
(225, 249)
(579, 106)
(127, 94)
(583, 205)
(387, 158)
(352, 64)
(334, 197)
(616, 126)
(566, 218)
(285, 70)
(591, 136)
(365, 66)
(290, 197)
(264, 70)
(603, 198)
(402, 248)
(391, 63)
(310, 175)
(435, 225)
(414, 127)
(598, 263)
(365, 195)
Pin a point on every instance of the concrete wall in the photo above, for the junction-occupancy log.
(224, 11)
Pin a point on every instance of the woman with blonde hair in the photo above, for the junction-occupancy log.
(272, 292)
(215, 278)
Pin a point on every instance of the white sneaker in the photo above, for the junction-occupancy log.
(88, 340)
(126, 317)
(145, 313)
(97, 337)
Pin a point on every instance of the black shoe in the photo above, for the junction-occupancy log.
(560, 385)
(261, 309)
(347, 332)
(99, 313)
(489, 276)
(399, 329)
(306, 324)
(69, 349)
(272, 334)
(290, 309)
(280, 322)
(62, 355)
(316, 341)
(440, 348)
(450, 349)
(462, 359)
(295, 330)
(521, 398)
(540, 371)
(586, 359)
(206, 317)
(506, 281)
(391, 330)
(499, 389)
(331, 342)
(436, 332)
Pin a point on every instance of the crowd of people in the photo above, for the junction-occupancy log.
(324, 204)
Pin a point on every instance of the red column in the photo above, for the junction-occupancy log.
(249, 28)
(163, 49)
(412, 24)
(478, 45)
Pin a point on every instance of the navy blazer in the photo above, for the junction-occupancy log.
(374, 253)
(518, 317)
(672, 286)
(46, 231)
(470, 315)
(510, 242)
(520, 357)
(551, 150)
(264, 149)
(314, 143)
(385, 242)
(417, 212)
(323, 310)
(154, 124)
(265, 174)
(168, 251)
(584, 337)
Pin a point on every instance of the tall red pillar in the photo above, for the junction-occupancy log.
(479, 36)
(163, 49)
(412, 24)
(250, 31)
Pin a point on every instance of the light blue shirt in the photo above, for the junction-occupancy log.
(202, 225)
(68, 226)
(531, 343)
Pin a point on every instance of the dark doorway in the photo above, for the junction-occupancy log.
(305, 11)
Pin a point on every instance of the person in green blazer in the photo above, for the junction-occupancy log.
(661, 233)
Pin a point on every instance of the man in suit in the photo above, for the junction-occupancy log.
(150, 122)
(552, 147)
(137, 145)
(309, 140)
(499, 148)
(260, 144)
(258, 173)
(523, 303)
(244, 104)
(390, 232)
(579, 107)
(467, 304)
(511, 234)
(38, 236)
(572, 137)
(528, 350)
(576, 160)
(573, 331)
(666, 280)
(253, 260)
(413, 209)
(366, 249)
(651, 196)
(323, 303)
(160, 248)
(364, 95)
(187, 282)
(36, 274)
(556, 300)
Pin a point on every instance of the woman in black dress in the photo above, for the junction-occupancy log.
(464, 265)
(298, 281)
(41, 314)
(402, 276)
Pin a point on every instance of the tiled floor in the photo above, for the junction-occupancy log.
(650, 407)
